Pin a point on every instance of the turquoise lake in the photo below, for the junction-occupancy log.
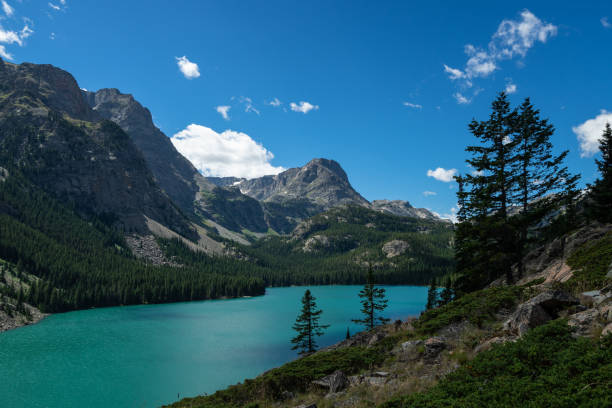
(146, 356)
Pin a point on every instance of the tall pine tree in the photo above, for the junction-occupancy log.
(373, 302)
(600, 195)
(307, 325)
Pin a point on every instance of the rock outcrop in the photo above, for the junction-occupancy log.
(403, 209)
(395, 248)
(538, 310)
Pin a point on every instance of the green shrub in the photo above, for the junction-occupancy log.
(477, 307)
(546, 368)
(590, 263)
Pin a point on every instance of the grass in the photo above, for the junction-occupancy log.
(546, 368)
(477, 308)
(590, 263)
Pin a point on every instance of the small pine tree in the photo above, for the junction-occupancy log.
(447, 294)
(307, 325)
(348, 333)
(432, 295)
(600, 203)
(373, 301)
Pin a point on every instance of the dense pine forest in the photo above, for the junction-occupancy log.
(85, 264)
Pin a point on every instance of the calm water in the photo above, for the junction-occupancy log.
(144, 356)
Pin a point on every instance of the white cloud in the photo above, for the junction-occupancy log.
(189, 69)
(462, 100)
(275, 102)
(513, 38)
(4, 53)
(25, 32)
(441, 174)
(54, 6)
(8, 10)
(452, 216)
(510, 88)
(590, 132)
(223, 111)
(429, 193)
(9, 37)
(303, 107)
(453, 73)
(52, 36)
(248, 105)
(229, 153)
(604, 22)
(413, 105)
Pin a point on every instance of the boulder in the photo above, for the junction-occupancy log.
(584, 322)
(433, 347)
(538, 310)
(607, 330)
(595, 297)
(313, 405)
(334, 382)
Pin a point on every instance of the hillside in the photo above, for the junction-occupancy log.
(543, 342)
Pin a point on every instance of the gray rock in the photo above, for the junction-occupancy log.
(584, 322)
(607, 330)
(334, 382)
(395, 248)
(538, 310)
(595, 297)
(433, 347)
(313, 405)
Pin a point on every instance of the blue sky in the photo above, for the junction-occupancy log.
(367, 79)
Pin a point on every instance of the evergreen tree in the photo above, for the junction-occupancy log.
(539, 173)
(348, 333)
(432, 295)
(447, 294)
(600, 203)
(307, 325)
(373, 302)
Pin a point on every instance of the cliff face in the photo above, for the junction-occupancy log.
(172, 172)
(49, 132)
(402, 209)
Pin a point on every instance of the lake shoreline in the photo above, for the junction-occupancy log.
(19, 320)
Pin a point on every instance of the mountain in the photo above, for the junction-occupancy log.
(172, 172)
(50, 133)
(403, 209)
(321, 181)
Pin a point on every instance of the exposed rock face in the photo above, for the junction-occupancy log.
(62, 145)
(173, 172)
(433, 347)
(402, 209)
(321, 181)
(395, 248)
(334, 382)
(538, 310)
(316, 242)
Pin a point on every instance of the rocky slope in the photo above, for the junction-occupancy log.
(403, 209)
(50, 133)
(550, 338)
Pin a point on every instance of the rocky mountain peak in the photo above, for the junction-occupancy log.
(56, 88)
(402, 209)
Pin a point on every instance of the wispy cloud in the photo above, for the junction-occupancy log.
(303, 107)
(8, 10)
(413, 105)
(461, 99)
(510, 88)
(442, 174)
(189, 69)
(604, 22)
(248, 104)
(429, 193)
(223, 111)
(513, 38)
(275, 102)
(589, 133)
(228, 153)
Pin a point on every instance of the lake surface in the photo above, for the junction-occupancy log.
(145, 356)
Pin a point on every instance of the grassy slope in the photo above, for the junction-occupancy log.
(547, 367)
